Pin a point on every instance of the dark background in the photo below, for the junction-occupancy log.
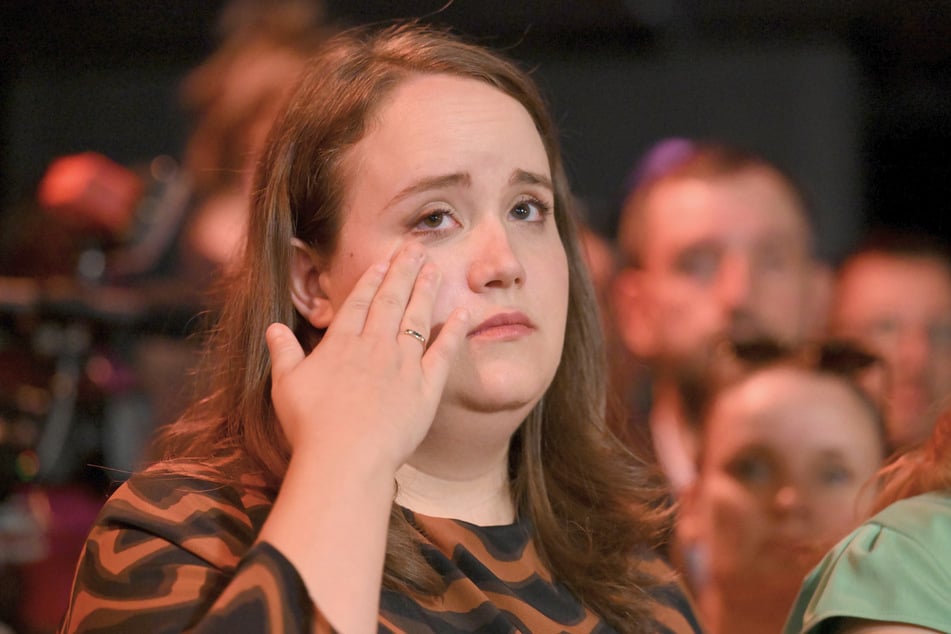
(853, 97)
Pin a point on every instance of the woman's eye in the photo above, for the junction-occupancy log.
(752, 471)
(435, 221)
(834, 475)
(530, 209)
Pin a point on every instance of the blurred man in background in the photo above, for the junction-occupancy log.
(893, 295)
(718, 248)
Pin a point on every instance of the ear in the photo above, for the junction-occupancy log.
(631, 313)
(306, 292)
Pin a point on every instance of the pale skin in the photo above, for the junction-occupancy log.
(787, 456)
(726, 257)
(721, 258)
(447, 233)
(901, 308)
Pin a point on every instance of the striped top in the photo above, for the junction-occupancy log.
(177, 553)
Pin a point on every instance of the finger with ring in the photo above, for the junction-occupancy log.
(415, 334)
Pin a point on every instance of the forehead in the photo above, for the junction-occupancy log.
(881, 283)
(427, 113)
(742, 210)
(793, 410)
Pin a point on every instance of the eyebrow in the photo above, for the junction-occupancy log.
(432, 182)
(833, 453)
(518, 177)
(521, 177)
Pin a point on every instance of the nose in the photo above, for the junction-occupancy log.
(735, 282)
(494, 262)
(789, 499)
(734, 285)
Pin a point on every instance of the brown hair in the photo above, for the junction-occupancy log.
(681, 159)
(589, 502)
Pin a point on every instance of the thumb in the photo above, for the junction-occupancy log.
(284, 349)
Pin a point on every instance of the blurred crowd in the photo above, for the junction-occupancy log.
(768, 387)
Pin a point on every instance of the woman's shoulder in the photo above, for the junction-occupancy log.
(909, 545)
(189, 504)
(926, 516)
(180, 487)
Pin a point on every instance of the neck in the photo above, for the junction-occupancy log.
(751, 613)
(666, 400)
(461, 469)
(482, 498)
(675, 441)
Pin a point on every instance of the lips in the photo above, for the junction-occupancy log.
(503, 326)
(800, 550)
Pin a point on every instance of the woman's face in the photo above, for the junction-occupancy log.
(458, 166)
(787, 453)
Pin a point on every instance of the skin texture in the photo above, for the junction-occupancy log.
(446, 232)
(787, 453)
(722, 257)
(900, 307)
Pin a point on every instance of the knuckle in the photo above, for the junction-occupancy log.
(389, 299)
(359, 304)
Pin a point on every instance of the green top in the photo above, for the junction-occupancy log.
(896, 567)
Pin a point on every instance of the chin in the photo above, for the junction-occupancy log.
(506, 398)
(500, 393)
(501, 383)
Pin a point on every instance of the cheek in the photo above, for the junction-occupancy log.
(942, 370)
(735, 515)
(839, 510)
(343, 277)
(547, 278)
(678, 302)
(449, 296)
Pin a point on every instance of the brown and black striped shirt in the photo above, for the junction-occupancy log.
(176, 554)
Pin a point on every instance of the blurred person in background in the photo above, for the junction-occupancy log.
(891, 574)
(893, 294)
(119, 264)
(175, 245)
(717, 245)
(789, 441)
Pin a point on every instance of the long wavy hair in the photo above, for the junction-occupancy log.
(591, 504)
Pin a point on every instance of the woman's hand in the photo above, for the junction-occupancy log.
(354, 410)
(368, 386)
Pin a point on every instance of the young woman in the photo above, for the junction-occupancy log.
(420, 445)
(891, 575)
(788, 446)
